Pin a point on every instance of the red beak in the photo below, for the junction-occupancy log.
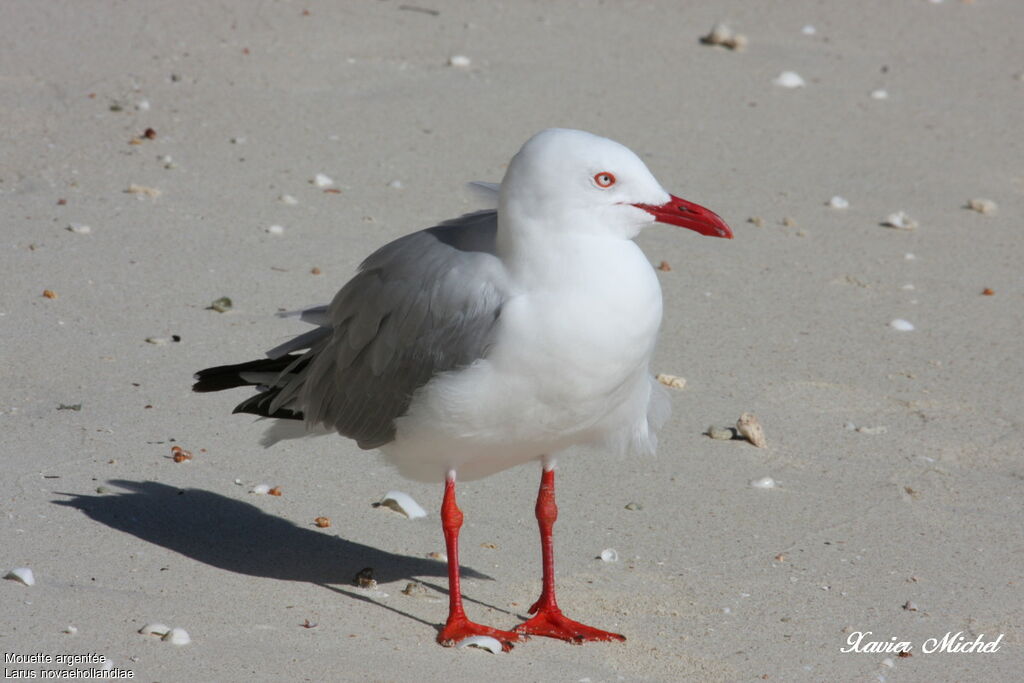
(686, 214)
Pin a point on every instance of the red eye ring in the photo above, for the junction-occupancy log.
(604, 179)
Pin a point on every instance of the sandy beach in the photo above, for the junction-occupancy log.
(156, 156)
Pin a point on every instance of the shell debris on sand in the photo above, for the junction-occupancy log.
(672, 381)
(155, 629)
(460, 61)
(276, 230)
(403, 503)
(143, 191)
(902, 325)
(177, 636)
(79, 228)
(609, 555)
(22, 575)
(900, 220)
(789, 79)
(322, 180)
(838, 202)
(724, 36)
(986, 207)
(492, 645)
(260, 489)
(763, 483)
(750, 428)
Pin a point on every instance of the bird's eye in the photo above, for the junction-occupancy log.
(604, 179)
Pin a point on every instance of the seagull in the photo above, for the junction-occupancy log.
(498, 338)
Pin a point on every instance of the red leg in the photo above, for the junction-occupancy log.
(458, 626)
(548, 620)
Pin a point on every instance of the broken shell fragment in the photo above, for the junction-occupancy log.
(763, 483)
(155, 629)
(322, 522)
(177, 636)
(900, 220)
(789, 79)
(750, 428)
(261, 489)
(221, 305)
(838, 202)
(609, 555)
(143, 191)
(902, 325)
(492, 645)
(322, 180)
(672, 381)
(415, 589)
(364, 579)
(79, 228)
(21, 574)
(986, 207)
(403, 503)
(723, 35)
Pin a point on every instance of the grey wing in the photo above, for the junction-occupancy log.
(423, 304)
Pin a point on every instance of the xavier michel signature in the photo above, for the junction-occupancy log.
(860, 641)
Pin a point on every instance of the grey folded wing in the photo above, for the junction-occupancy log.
(423, 304)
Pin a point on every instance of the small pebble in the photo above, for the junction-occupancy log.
(909, 257)
(322, 180)
(609, 555)
(276, 230)
(159, 341)
(789, 79)
(71, 630)
(79, 228)
(322, 522)
(276, 491)
(459, 61)
(672, 381)
(900, 220)
(396, 184)
(910, 606)
(364, 579)
(49, 294)
(838, 202)
(763, 483)
(21, 574)
(142, 105)
(808, 30)
(789, 222)
(721, 433)
(634, 506)
(988, 291)
(288, 199)
(415, 589)
(221, 305)
(901, 325)
(879, 94)
(757, 221)
(986, 207)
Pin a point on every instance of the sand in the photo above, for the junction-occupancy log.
(896, 454)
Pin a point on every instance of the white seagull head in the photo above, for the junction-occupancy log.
(571, 181)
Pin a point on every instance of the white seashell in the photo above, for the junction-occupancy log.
(276, 230)
(159, 341)
(177, 636)
(982, 206)
(261, 489)
(609, 555)
(901, 325)
(71, 630)
(900, 220)
(166, 160)
(289, 200)
(672, 381)
(909, 257)
(750, 428)
(838, 202)
(155, 629)
(396, 184)
(789, 79)
(879, 94)
(763, 483)
(142, 105)
(22, 574)
(322, 180)
(108, 664)
(808, 30)
(461, 61)
(79, 228)
(403, 503)
(492, 645)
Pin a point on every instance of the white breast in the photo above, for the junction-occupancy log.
(573, 349)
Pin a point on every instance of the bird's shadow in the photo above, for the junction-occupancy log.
(239, 537)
